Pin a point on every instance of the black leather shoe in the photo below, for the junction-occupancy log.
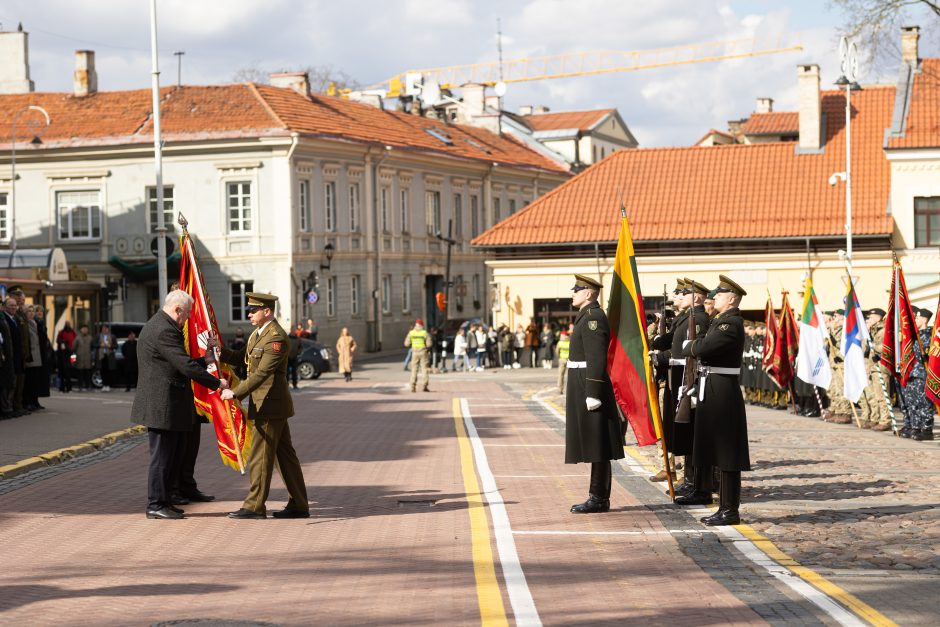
(694, 498)
(906, 432)
(247, 514)
(165, 513)
(592, 506)
(292, 513)
(722, 517)
(686, 487)
(175, 509)
(198, 497)
(178, 499)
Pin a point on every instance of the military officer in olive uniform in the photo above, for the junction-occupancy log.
(720, 420)
(269, 406)
(592, 432)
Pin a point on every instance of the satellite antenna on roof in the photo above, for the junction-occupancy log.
(430, 93)
(500, 89)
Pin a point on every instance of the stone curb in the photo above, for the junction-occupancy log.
(53, 458)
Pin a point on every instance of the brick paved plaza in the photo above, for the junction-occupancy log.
(405, 530)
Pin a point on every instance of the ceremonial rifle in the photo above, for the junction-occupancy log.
(684, 406)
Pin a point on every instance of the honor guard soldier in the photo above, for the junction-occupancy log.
(269, 406)
(720, 420)
(419, 341)
(661, 343)
(592, 433)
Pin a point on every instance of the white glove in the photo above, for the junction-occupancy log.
(686, 343)
(227, 395)
(682, 391)
(592, 403)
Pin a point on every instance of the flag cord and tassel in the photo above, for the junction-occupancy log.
(217, 353)
(823, 412)
(884, 390)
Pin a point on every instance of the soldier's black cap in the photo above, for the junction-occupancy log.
(257, 300)
(727, 285)
(583, 282)
(876, 310)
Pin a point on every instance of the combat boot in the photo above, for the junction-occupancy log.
(882, 426)
(922, 435)
(593, 505)
(728, 503)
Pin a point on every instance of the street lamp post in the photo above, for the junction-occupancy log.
(34, 127)
(848, 53)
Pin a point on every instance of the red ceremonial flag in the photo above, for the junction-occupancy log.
(231, 428)
(897, 352)
(770, 338)
(787, 343)
(628, 361)
(933, 362)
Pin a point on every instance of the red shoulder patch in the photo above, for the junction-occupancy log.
(276, 347)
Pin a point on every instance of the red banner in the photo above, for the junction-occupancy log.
(897, 351)
(933, 362)
(770, 338)
(787, 342)
(231, 428)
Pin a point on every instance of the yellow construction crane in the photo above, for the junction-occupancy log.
(573, 64)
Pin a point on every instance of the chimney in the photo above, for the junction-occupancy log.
(14, 63)
(764, 105)
(298, 81)
(909, 37)
(373, 98)
(808, 80)
(525, 110)
(474, 101)
(85, 82)
(540, 109)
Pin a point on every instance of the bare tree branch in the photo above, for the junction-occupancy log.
(321, 77)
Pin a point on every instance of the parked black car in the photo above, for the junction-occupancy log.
(314, 359)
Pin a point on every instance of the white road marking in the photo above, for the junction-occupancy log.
(520, 597)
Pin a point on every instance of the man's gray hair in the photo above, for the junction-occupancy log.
(178, 298)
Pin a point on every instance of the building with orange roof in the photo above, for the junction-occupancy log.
(764, 212)
(270, 177)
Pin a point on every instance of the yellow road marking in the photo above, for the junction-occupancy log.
(489, 596)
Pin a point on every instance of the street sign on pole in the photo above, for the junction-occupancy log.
(312, 297)
(154, 246)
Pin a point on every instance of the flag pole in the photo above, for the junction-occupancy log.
(217, 353)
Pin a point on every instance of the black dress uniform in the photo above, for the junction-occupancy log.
(721, 420)
(591, 436)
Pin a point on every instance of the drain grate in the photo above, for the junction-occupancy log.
(416, 502)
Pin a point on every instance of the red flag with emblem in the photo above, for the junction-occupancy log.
(231, 428)
(933, 361)
(897, 353)
(783, 368)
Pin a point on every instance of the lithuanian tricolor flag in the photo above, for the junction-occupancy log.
(628, 361)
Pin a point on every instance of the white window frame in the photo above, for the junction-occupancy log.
(432, 210)
(355, 206)
(458, 216)
(303, 204)
(329, 206)
(406, 293)
(331, 297)
(4, 216)
(386, 293)
(244, 220)
(354, 294)
(94, 210)
(384, 194)
(404, 209)
(238, 314)
(474, 215)
(168, 208)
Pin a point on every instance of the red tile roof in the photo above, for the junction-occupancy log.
(248, 110)
(712, 132)
(581, 120)
(773, 123)
(923, 121)
(721, 192)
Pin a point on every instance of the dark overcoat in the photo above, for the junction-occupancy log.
(164, 398)
(7, 376)
(678, 435)
(591, 436)
(720, 420)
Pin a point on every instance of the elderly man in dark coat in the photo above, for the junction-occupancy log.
(164, 399)
(720, 426)
(592, 431)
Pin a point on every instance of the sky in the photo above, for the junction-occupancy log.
(372, 40)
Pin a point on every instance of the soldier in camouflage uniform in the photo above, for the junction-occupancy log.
(840, 408)
(920, 410)
(876, 414)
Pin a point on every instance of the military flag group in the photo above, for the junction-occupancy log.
(846, 366)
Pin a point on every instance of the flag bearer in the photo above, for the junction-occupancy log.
(919, 407)
(876, 415)
(592, 432)
(720, 438)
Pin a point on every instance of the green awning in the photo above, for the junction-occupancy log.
(145, 270)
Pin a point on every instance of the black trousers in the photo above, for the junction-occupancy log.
(166, 454)
(600, 480)
(186, 478)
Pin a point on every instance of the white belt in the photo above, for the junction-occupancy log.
(574, 365)
(704, 371)
(677, 362)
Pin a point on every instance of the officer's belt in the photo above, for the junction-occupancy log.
(676, 362)
(704, 371)
(574, 365)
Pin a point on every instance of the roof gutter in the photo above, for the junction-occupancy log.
(793, 238)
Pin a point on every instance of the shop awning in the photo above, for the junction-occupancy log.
(145, 270)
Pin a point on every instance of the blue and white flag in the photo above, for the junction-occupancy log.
(854, 333)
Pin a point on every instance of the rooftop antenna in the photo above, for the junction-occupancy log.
(179, 67)
(499, 47)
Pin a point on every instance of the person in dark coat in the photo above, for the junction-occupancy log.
(164, 399)
(592, 432)
(7, 376)
(48, 354)
(63, 351)
(129, 351)
(720, 438)
(10, 311)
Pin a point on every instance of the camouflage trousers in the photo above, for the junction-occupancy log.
(838, 404)
(919, 412)
(874, 406)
